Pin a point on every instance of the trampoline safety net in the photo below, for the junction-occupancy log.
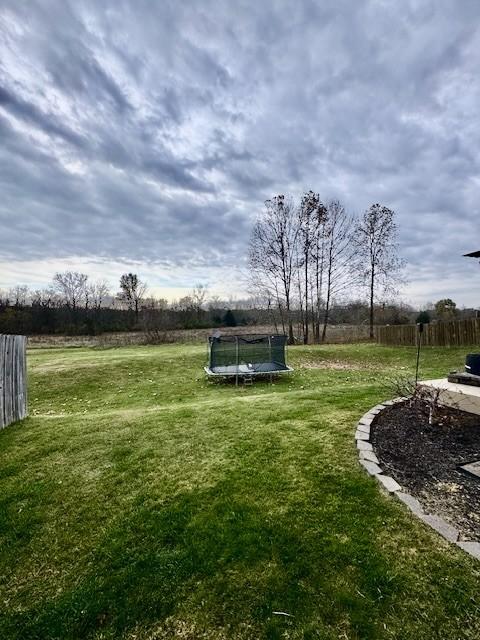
(247, 355)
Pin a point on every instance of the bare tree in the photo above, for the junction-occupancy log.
(338, 255)
(71, 286)
(272, 255)
(199, 296)
(18, 295)
(132, 291)
(185, 303)
(377, 260)
(157, 304)
(215, 302)
(311, 218)
(45, 298)
(97, 293)
(318, 259)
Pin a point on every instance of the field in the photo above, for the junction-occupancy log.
(336, 333)
(139, 501)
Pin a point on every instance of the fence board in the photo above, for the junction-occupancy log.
(456, 333)
(13, 379)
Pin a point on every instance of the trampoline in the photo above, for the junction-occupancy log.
(247, 356)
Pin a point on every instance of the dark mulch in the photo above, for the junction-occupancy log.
(425, 459)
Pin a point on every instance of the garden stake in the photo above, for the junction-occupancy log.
(419, 344)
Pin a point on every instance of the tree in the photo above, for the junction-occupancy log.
(446, 309)
(311, 217)
(43, 298)
(71, 286)
(19, 295)
(199, 295)
(132, 291)
(377, 260)
(318, 256)
(229, 319)
(97, 293)
(423, 318)
(338, 255)
(272, 255)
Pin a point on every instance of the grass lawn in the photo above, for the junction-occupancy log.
(138, 501)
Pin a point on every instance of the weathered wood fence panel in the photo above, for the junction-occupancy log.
(13, 379)
(457, 333)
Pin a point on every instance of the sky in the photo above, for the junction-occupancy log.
(145, 136)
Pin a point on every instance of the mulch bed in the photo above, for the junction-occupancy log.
(425, 460)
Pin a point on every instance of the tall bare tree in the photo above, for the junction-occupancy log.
(272, 255)
(311, 216)
(318, 259)
(132, 291)
(338, 256)
(377, 258)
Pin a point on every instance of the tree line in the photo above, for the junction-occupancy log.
(55, 310)
(73, 304)
(304, 255)
(311, 264)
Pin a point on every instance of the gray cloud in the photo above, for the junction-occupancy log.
(154, 131)
(28, 112)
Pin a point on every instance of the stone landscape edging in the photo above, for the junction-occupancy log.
(372, 464)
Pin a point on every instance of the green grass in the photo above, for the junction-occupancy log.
(139, 501)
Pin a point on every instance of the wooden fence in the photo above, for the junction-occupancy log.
(13, 379)
(457, 333)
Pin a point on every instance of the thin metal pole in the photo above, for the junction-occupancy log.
(236, 350)
(270, 354)
(419, 343)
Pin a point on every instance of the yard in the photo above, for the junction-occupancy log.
(139, 501)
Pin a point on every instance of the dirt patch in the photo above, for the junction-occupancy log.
(426, 460)
(340, 365)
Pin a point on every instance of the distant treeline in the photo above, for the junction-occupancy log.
(37, 320)
(74, 305)
(60, 318)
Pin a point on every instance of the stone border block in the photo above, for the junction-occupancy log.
(439, 524)
(375, 411)
(389, 483)
(359, 435)
(363, 428)
(473, 548)
(372, 468)
(412, 503)
(369, 455)
(364, 445)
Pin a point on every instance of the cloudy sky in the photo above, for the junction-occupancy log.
(146, 135)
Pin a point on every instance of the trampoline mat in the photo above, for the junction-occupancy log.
(247, 369)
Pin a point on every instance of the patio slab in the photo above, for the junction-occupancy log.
(452, 394)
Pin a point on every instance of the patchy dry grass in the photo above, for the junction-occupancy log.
(140, 501)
